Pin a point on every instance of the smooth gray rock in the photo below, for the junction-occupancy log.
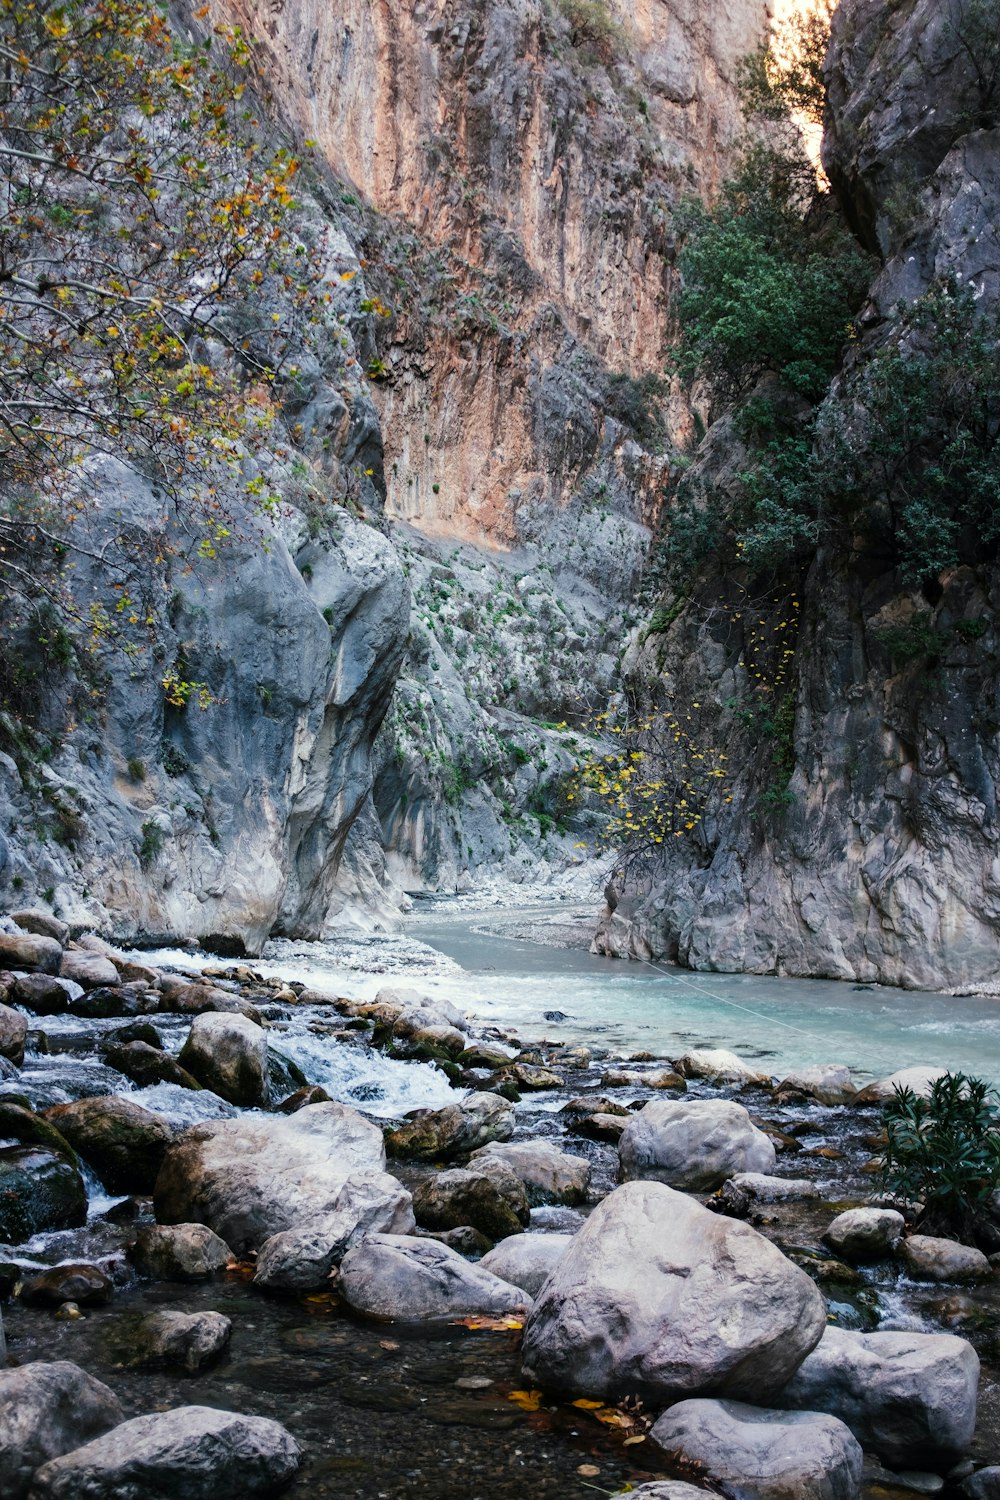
(526, 1260)
(227, 1053)
(656, 1295)
(909, 1397)
(983, 1485)
(862, 1234)
(693, 1143)
(492, 1200)
(827, 1083)
(89, 970)
(756, 1454)
(45, 1410)
(764, 1189)
(917, 1080)
(666, 1489)
(42, 923)
(414, 1280)
(928, 1258)
(123, 1143)
(301, 1259)
(30, 952)
(180, 1252)
(189, 1341)
(549, 1174)
(191, 1453)
(253, 1177)
(456, 1130)
(720, 1066)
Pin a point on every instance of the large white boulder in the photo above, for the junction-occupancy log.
(918, 1080)
(658, 1296)
(860, 1234)
(720, 1066)
(693, 1143)
(394, 1277)
(191, 1453)
(909, 1397)
(45, 1410)
(549, 1175)
(253, 1177)
(301, 1259)
(756, 1454)
(227, 1053)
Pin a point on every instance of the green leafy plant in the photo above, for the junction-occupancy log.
(943, 1152)
(152, 843)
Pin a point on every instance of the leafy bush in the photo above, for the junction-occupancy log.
(785, 76)
(944, 1151)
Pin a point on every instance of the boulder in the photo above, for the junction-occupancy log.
(756, 1454)
(456, 1130)
(253, 1177)
(84, 1284)
(191, 1453)
(526, 1260)
(918, 1080)
(466, 1240)
(188, 1341)
(493, 1202)
(909, 1397)
(89, 970)
(196, 999)
(928, 1258)
(32, 953)
(862, 1234)
(549, 1175)
(599, 1127)
(423, 1010)
(395, 1276)
(659, 1297)
(666, 1489)
(228, 1054)
(443, 1041)
(693, 1143)
(760, 1188)
(719, 1066)
(180, 1252)
(124, 1143)
(147, 1065)
(656, 1078)
(42, 923)
(18, 1122)
(531, 1078)
(301, 1259)
(827, 1083)
(39, 1189)
(45, 994)
(115, 1000)
(13, 1030)
(983, 1485)
(46, 1410)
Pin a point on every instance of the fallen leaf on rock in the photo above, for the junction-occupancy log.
(495, 1325)
(612, 1418)
(586, 1405)
(640, 1437)
(387, 1344)
(526, 1400)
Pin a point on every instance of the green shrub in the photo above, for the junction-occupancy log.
(152, 843)
(944, 1152)
(915, 641)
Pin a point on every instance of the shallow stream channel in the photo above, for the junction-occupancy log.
(421, 1412)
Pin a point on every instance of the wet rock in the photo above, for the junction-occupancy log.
(481, 1055)
(658, 1296)
(719, 1066)
(42, 924)
(45, 994)
(83, 1284)
(13, 1030)
(197, 999)
(668, 1489)
(827, 1083)
(983, 1485)
(928, 1258)
(909, 1397)
(526, 1260)
(253, 1177)
(494, 1203)
(600, 1127)
(421, 1010)
(31, 952)
(180, 1252)
(656, 1078)
(284, 1075)
(417, 1280)
(300, 1259)
(89, 970)
(693, 1143)
(757, 1454)
(456, 1130)
(147, 1065)
(191, 1453)
(863, 1234)
(188, 1341)
(764, 1189)
(311, 1094)
(19, 1123)
(548, 1174)
(466, 1240)
(593, 1104)
(918, 1080)
(228, 1054)
(443, 1040)
(46, 1410)
(531, 1078)
(124, 1143)
(115, 1000)
(135, 1031)
(39, 1190)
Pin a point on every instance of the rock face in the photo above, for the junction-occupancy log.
(124, 1143)
(693, 1143)
(764, 1455)
(909, 1397)
(228, 1054)
(194, 1452)
(301, 1259)
(413, 1280)
(47, 1410)
(656, 1295)
(250, 1178)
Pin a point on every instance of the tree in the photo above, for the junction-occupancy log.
(784, 77)
(142, 223)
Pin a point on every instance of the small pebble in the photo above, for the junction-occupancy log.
(474, 1382)
(68, 1312)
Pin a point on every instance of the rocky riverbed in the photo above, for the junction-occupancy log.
(409, 1253)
